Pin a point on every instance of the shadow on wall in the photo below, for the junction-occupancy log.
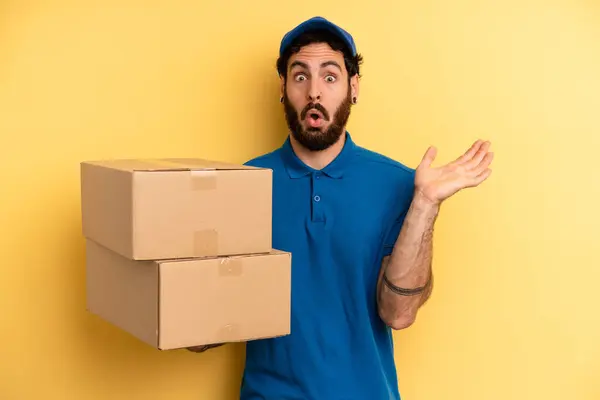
(269, 128)
(273, 131)
(269, 93)
(7, 42)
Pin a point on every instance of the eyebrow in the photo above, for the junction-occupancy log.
(305, 66)
(298, 64)
(333, 63)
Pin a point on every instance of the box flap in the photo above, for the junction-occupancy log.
(273, 252)
(169, 164)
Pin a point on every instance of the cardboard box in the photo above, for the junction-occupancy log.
(176, 208)
(173, 304)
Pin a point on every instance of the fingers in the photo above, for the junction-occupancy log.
(478, 156)
(202, 349)
(478, 179)
(481, 171)
(484, 164)
(428, 157)
(469, 153)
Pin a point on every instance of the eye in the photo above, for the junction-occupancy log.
(330, 78)
(300, 77)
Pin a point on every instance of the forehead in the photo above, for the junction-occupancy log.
(317, 54)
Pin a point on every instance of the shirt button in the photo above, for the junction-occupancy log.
(317, 198)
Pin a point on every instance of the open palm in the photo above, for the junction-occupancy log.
(469, 170)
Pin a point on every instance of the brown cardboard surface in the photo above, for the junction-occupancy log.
(176, 208)
(173, 304)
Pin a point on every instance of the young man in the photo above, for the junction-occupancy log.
(359, 226)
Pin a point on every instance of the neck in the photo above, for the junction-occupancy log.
(318, 159)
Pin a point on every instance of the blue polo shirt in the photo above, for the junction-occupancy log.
(338, 223)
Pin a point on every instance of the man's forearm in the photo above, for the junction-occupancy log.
(406, 279)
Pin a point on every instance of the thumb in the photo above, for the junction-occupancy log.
(428, 157)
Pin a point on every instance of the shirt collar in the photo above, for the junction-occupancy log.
(296, 168)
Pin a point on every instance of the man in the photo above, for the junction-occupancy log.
(359, 226)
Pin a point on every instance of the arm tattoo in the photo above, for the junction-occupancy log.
(402, 291)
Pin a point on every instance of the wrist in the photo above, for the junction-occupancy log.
(424, 203)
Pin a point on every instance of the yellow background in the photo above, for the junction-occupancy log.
(514, 314)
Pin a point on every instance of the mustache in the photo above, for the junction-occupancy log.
(314, 106)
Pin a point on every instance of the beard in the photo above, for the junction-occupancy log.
(317, 139)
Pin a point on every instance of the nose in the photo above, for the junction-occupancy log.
(314, 92)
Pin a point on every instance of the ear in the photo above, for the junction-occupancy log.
(354, 87)
(281, 86)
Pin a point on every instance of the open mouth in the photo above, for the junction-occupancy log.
(314, 117)
(314, 114)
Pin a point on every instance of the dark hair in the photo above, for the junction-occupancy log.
(351, 62)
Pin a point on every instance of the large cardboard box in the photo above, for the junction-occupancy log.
(176, 208)
(173, 304)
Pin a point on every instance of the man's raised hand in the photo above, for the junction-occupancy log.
(437, 184)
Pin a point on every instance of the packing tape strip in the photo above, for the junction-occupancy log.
(203, 179)
(161, 162)
(206, 243)
(231, 267)
(200, 179)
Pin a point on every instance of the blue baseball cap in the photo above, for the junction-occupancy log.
(313, 24)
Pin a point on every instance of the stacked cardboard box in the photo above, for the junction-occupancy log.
(178, 251)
